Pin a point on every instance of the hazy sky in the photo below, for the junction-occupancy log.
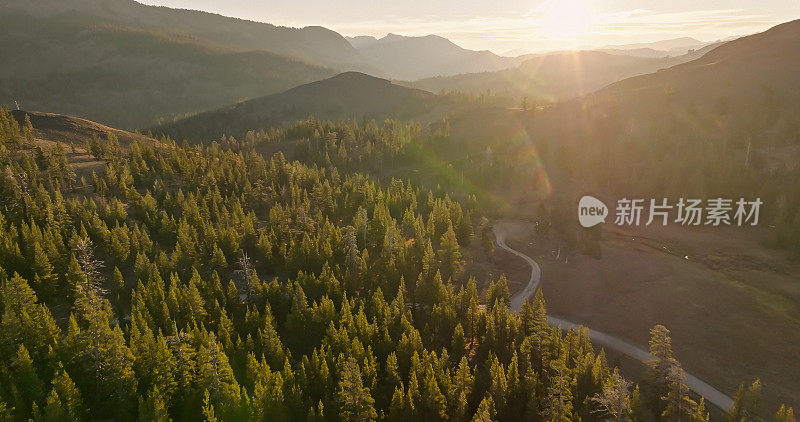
(502, 25)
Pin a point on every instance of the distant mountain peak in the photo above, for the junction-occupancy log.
(360, 41)
(392, 37)
(353, 76)
(687, 39)
(416, 57)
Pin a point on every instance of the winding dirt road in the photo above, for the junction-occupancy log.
(711, 394)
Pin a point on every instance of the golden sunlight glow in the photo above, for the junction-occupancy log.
(567, 19)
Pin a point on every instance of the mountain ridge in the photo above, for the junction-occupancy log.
(412, 58)
(129, 76)
(555, 76)
(760, 66)
(312, 44)
(667, 44)
(346, 95)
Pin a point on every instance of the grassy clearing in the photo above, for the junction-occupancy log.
(731, 304)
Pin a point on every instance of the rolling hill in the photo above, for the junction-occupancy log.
(347, 95)
(723, 124)
(412, 58)
(663, 48)
(65, 129)
(74, 136)
(677, 52)
(555, 76)
(664, 45)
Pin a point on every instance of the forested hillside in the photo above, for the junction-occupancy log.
(722, 125)
(349, 95)
(214, 283)
(127, 73)
(313, 44)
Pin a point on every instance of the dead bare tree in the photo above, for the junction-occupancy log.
(244, 272)
(90, 266)
(613, 404)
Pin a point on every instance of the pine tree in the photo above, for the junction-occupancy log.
(639, 412)
(678, 405)
(218, 261)
(398, 407)
(101, 357)
(698, 412)
(499, 386)
(272, 345)
(24, 321)
(27, 129)
(153, 408)
(154, 364)
(64, 402)
(28, 385)
(355, 401)
(558, 403)
(214, 371)
(462, 385)
(498, 291)
(785, 414)
(747, 403)
(486, 234)
(434, 403)
(458, 342)
(485, 412)
(90, 268)
(42, 268)
(208, 408)
(449, 254)
(117, 280)
(660, 367)
(391, 379)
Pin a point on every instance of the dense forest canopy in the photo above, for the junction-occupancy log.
(213, 282)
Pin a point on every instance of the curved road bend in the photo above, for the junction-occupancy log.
(711, 394)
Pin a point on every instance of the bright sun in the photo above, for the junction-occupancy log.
(567, 19)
